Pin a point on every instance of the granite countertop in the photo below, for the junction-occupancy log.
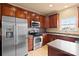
(64, 34)
(74, 34)
(69, 47)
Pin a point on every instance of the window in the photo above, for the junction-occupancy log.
(68, 24)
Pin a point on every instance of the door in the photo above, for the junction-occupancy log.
(21, 37)
(8, 36)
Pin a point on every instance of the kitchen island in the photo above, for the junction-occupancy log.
(63, 48)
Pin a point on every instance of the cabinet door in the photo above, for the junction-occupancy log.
(47, 22)
(37, 17)
(0, 35)
(66, 38)
(53, 21)
(56, 52)
(42, 21)
(52, 37)
(33, 15)
(28, 18)
(20, 13)
(8, 10)
(45, 39)
(30, 43)
(0, 15)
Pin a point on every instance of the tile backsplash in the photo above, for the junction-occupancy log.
(63, 30)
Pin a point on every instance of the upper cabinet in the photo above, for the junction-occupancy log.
(35, 16)
(42, 21)
(53, 21)
(28, 17)
(0, 9)
(20, 13)
(8, 10)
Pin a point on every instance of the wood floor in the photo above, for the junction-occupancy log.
(43, 51)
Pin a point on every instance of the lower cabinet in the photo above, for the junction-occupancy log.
(66, 38)
(45, 39)
(56, 52)
(50, 37)
(30, 43)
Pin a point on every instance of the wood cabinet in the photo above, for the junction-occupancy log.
(51, 37)
(66, 38)
(8, 10)
(48, 38)
(20, 13)
(30, 43)
(46, 22)
(1, 34)
(42, 21)
(53, 21)
(0, 16)
(56, 52)
(45, 39)
(0, 12)
(28, 18)
(33, 16)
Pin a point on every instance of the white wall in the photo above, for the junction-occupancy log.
(68, 13)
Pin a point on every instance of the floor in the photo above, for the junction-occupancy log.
(43, 51)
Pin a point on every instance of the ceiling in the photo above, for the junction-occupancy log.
(43, 8)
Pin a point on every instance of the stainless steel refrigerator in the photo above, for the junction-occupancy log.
(14, 36)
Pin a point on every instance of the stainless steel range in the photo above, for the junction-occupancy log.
(37, 42)
(36, 32)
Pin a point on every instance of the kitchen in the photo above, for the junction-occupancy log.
(52, 32)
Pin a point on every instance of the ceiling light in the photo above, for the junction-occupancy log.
(50, 5)
(65, 6)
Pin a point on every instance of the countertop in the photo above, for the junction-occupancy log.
(69, 47)
(64, 34)
(74, 34)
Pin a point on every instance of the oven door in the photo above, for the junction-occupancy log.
(38, 42)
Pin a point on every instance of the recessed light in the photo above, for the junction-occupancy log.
(50, 5)
(65, 6)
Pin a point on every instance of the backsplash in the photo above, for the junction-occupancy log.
(63, 30)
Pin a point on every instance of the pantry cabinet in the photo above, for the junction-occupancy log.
(53, 21)
(8, 10)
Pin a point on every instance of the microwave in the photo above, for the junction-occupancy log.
(35, 24)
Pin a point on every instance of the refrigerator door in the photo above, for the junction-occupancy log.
(21, 37)
(8, 36)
